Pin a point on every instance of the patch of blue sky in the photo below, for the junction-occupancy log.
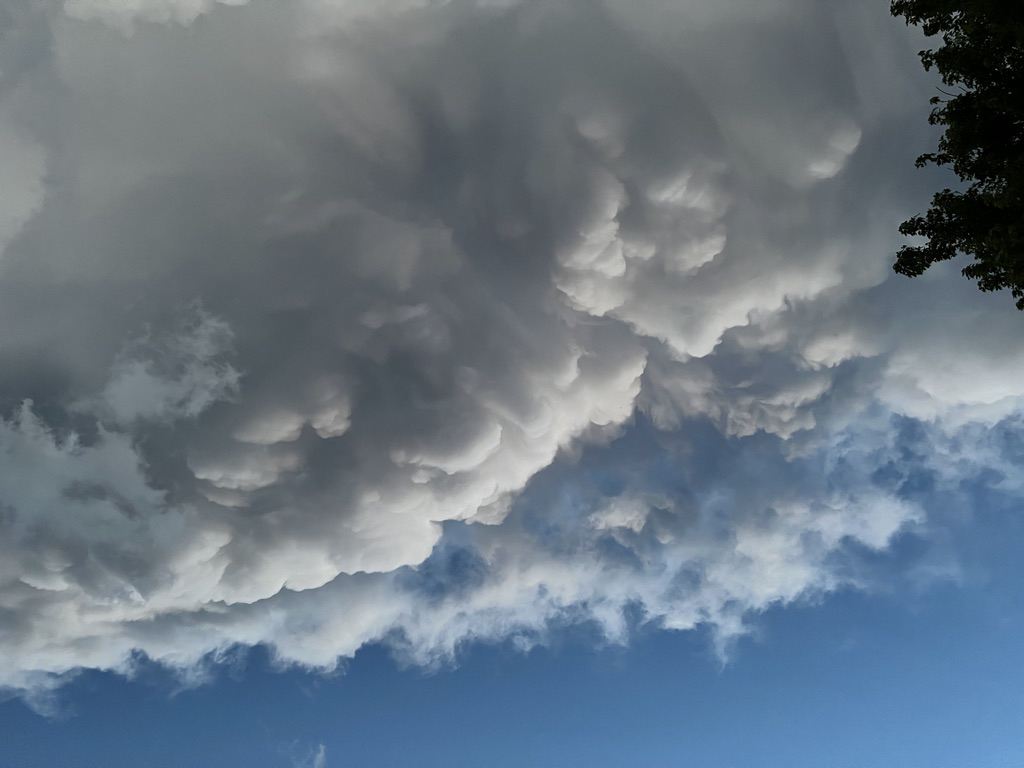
(911, 679)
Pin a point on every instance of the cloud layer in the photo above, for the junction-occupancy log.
(426, 322)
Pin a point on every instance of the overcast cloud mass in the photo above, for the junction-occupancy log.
(328, 322)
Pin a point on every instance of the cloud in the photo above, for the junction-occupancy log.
(446, 322)
(22, 190)
(317, 758)
(123, 14)
(173, 378)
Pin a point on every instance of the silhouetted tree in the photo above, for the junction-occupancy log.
(981, 62)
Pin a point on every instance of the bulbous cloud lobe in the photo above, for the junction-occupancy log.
(329, 323)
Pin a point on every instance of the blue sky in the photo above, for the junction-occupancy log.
(480, 383)
(907, 674)
(902, 679)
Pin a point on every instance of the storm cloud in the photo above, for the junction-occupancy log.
(335, 322)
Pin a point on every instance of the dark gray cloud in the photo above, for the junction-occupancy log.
(320, 319)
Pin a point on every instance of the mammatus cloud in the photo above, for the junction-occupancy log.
(441, 322)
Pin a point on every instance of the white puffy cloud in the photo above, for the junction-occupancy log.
(436, 322)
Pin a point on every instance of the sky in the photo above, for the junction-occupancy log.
(493, 382)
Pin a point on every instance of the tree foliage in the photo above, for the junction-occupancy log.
(981, 63)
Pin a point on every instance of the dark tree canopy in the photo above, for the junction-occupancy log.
(981, 62)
